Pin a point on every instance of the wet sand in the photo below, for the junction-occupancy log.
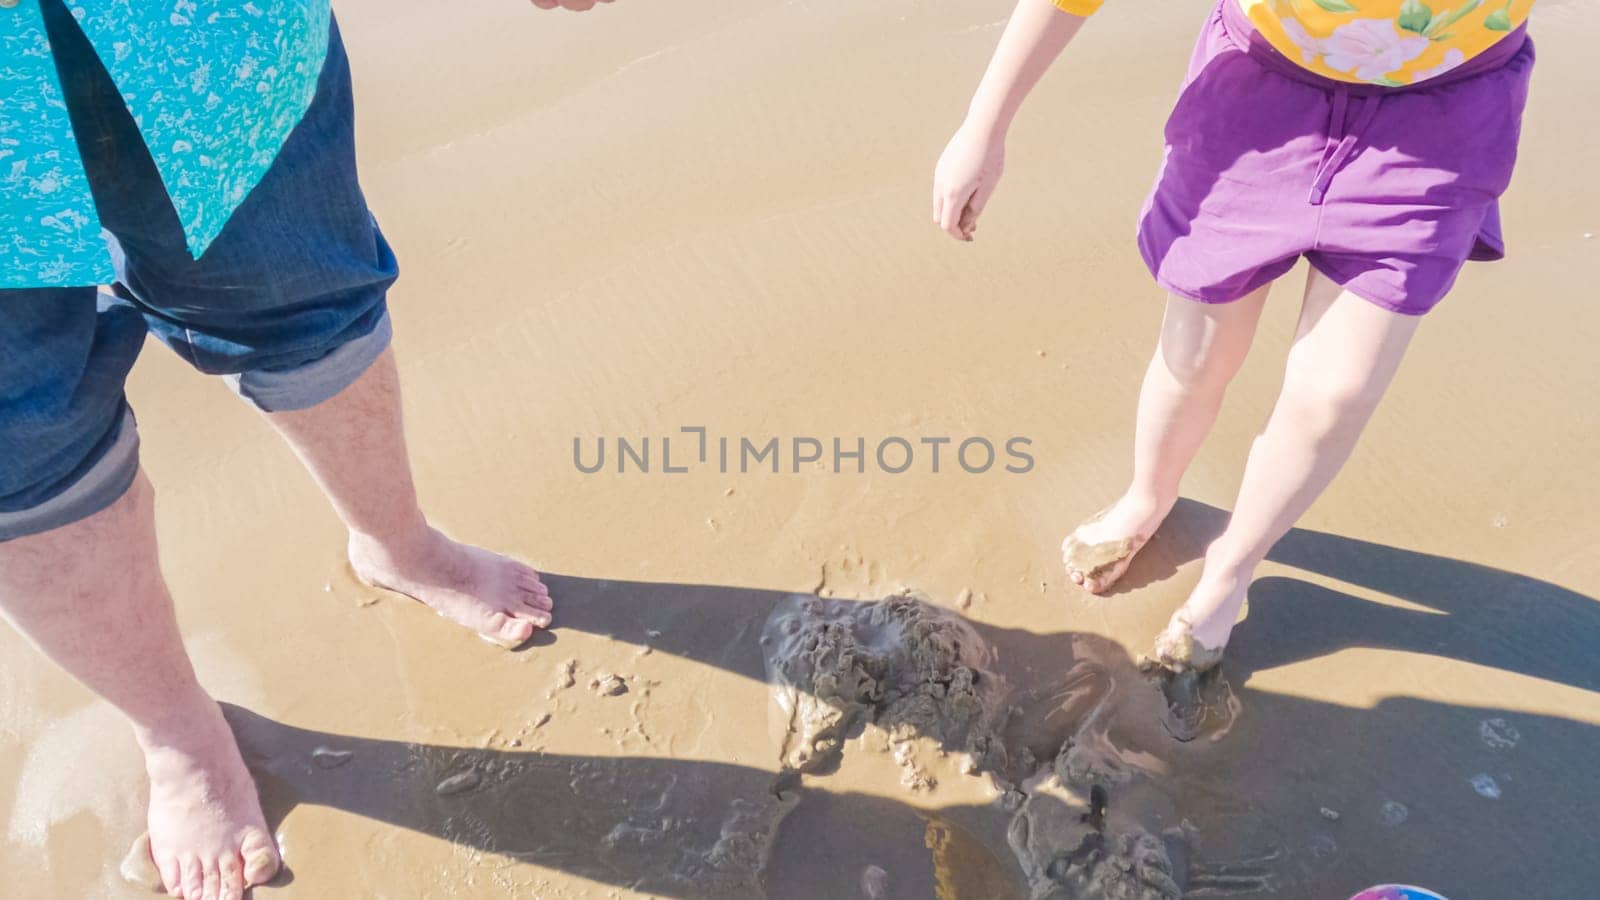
(707, 214)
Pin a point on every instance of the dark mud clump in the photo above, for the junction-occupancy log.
(1084, 822)
(1086, 827)
(1069, 850)
(905, 665)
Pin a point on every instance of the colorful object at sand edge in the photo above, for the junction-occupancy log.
(1397, 892)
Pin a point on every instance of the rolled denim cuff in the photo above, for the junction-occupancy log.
(106, 480)
(307, 385)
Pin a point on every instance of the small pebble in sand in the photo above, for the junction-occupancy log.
(328, 758)
(728, 492)
(608, 685)
(1500, 521)
(565, 677)
(327, 587)
(1393, 812)
(542, 720)
(1588, 235)
(874, 883)
(1486, 786)
(1499, 734)
(459, 783)
(964, 599)
(1332, 815)
(516, 742)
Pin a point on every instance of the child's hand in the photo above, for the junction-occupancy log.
(967, 174)
(574, 5)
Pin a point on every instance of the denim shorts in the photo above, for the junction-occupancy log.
(288, 303)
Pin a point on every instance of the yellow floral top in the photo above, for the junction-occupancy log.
(1390, 42)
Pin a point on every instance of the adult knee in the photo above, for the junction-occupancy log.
(66, 482)
(308, 384)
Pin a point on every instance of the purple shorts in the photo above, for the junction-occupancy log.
(1385, 190)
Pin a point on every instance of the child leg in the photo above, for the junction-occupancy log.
(1201, 348)
(1345, 353)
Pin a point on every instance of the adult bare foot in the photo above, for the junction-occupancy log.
(207, 836)
(1098, 552)
(500, 599)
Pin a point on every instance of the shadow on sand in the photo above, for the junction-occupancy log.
(1300, 798)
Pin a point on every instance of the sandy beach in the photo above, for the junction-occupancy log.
(708, 215)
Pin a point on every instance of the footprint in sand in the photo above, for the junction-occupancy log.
(459, 783)
(1393, 813)
(1486, 786)
(1198, 703)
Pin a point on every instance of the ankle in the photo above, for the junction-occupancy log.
(1137, 509)
(188, 724)
(1225, 557)
(1149, 503)
(390, 545)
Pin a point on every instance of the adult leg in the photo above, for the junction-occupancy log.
(289, 302)
(90, 595)
(354, 446)
(79, 578)
(1345, 353)
(1200, 349)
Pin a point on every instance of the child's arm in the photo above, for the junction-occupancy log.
(970, 167)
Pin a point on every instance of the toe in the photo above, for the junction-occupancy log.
(210, 880)
(529, 581)
(171, 875)
(510, 629)
(536, 599)
(538, 615)
(260, 857)
(192, 877)
(231, 870)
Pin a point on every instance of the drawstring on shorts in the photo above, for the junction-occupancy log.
(1341, 141)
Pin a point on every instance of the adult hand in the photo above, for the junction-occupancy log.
(574, 5)
(965, 179)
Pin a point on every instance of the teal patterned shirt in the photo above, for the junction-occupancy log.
(215, 87)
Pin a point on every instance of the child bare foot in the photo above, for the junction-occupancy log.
(1098, 552)
(500, 599)
(207, 838)
(1197, 634)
